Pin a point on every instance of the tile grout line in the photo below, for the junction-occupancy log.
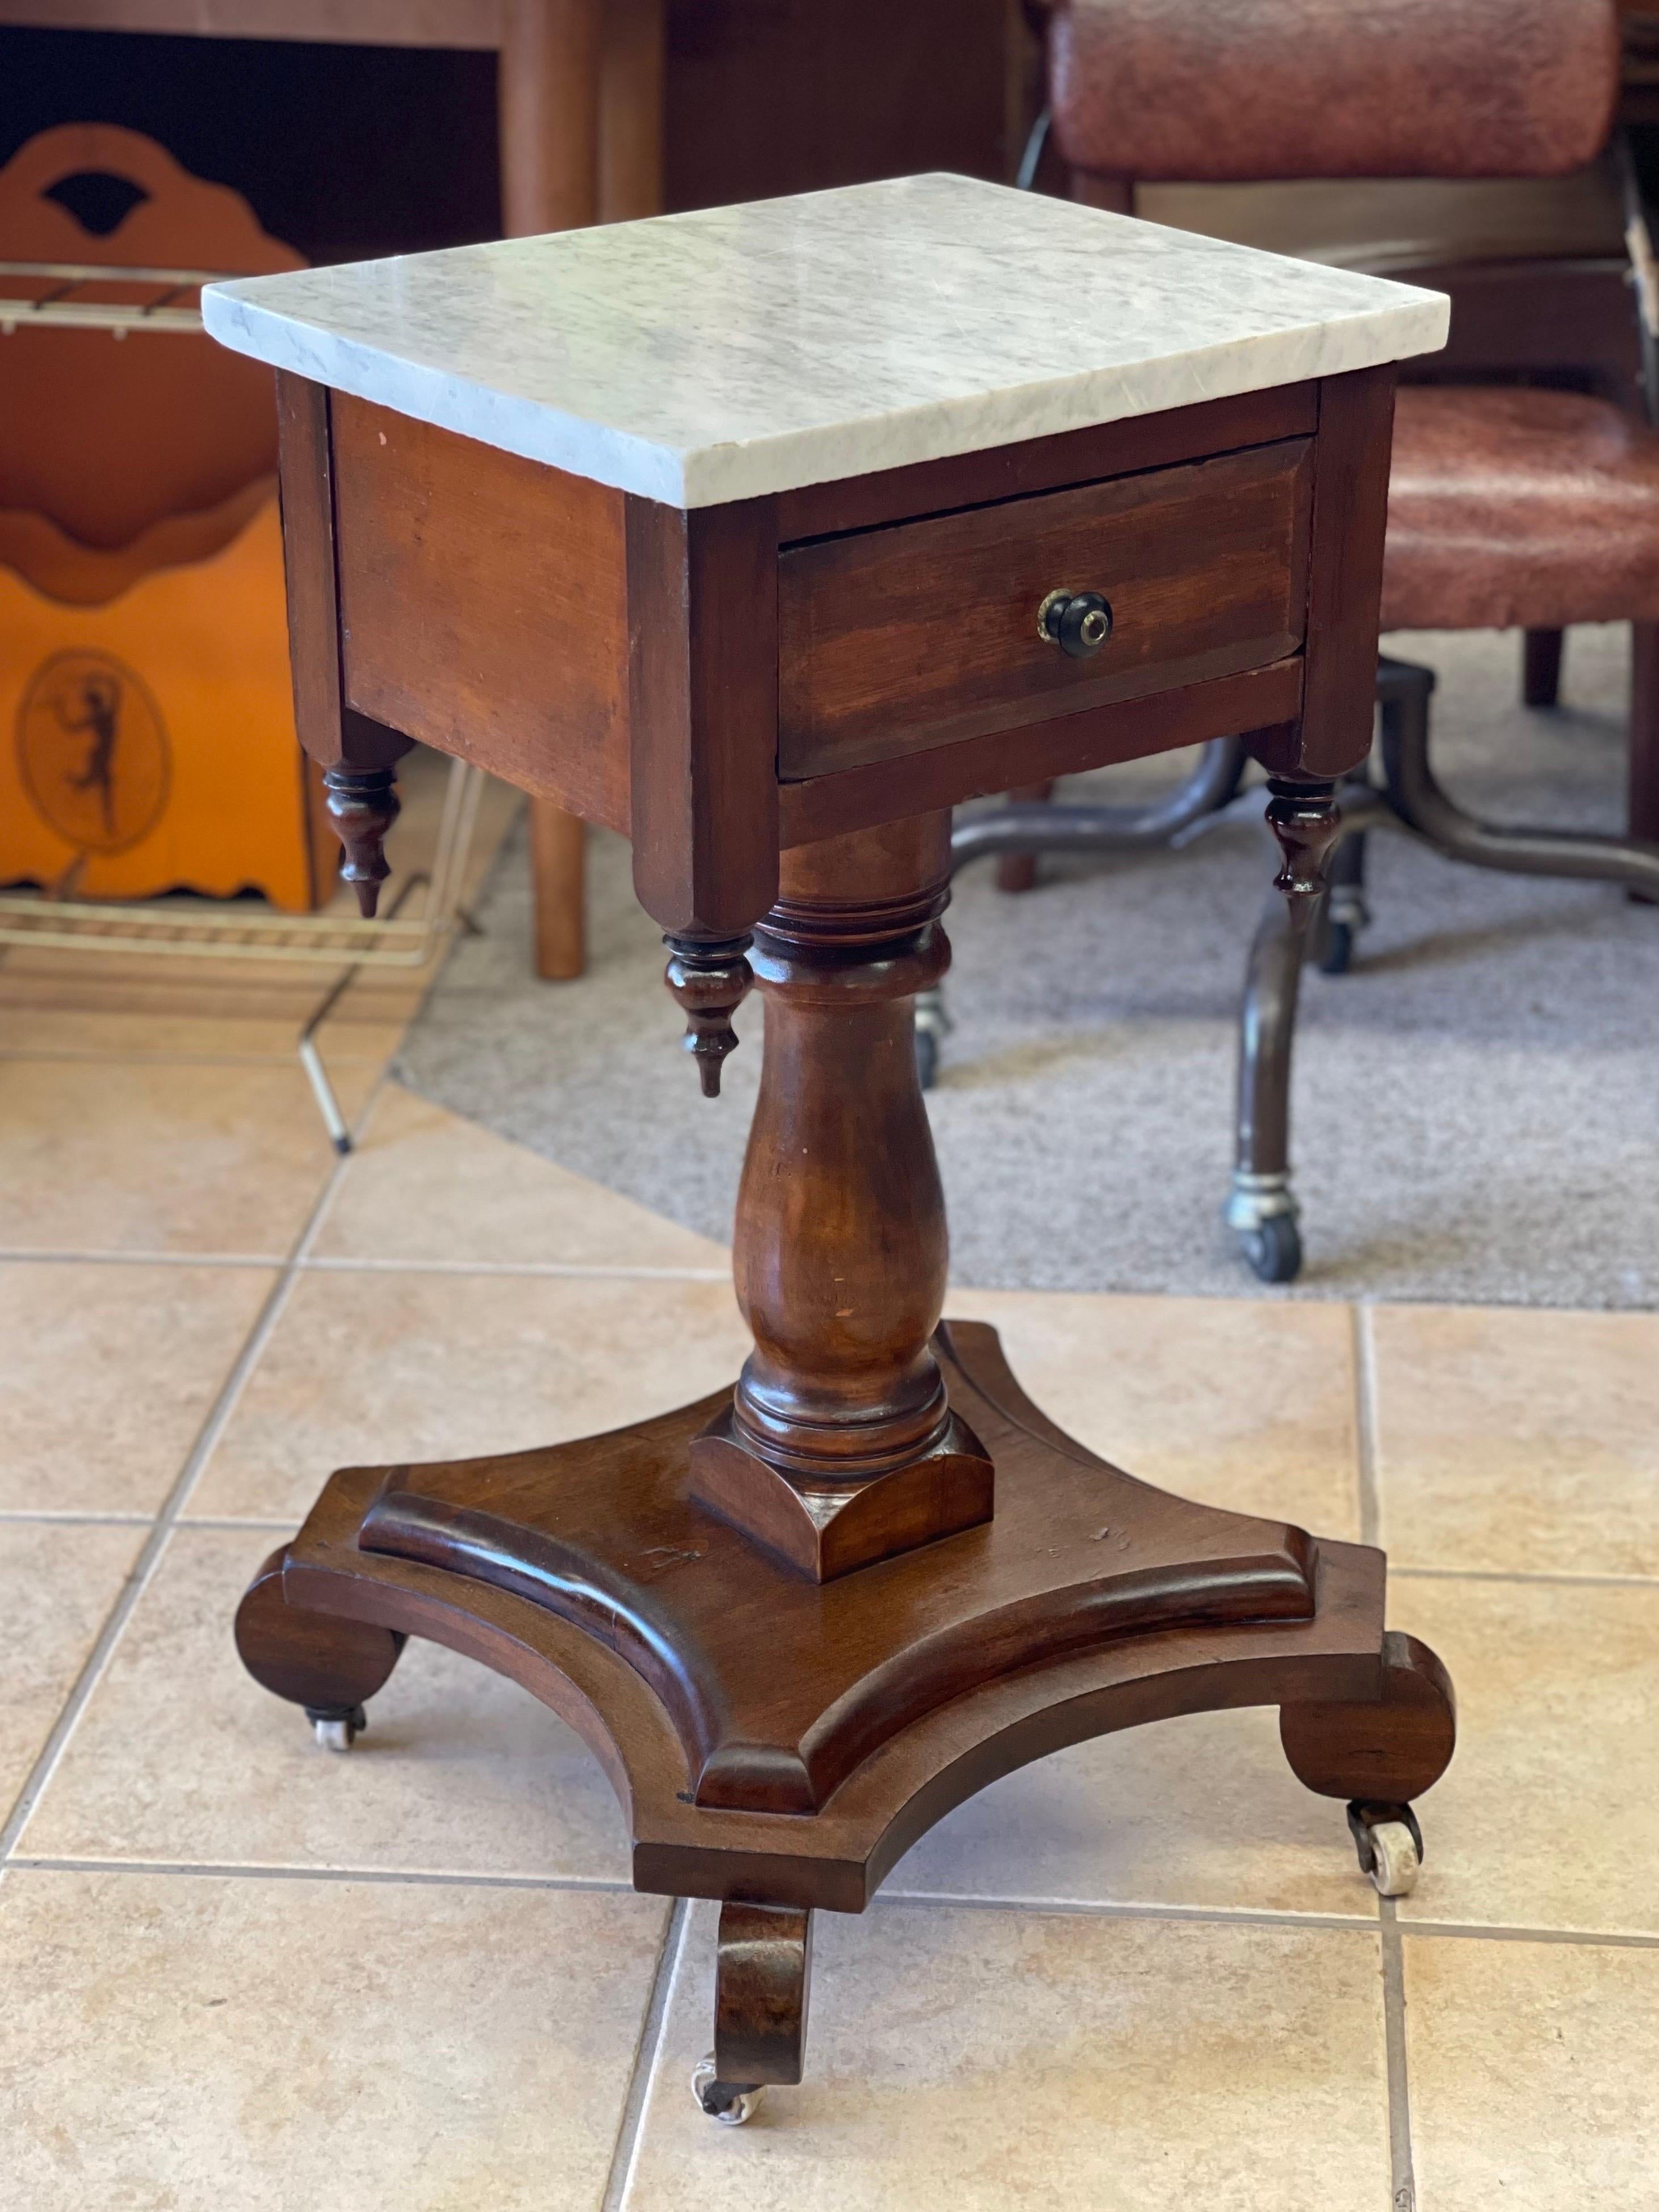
(1220, 1916)
(1402, 2177)
(1364, 1408)
(1521, 1575)
(1055, 1908)
(383, 1877)
(41, 1256)
(555, 1269)
(329, 1264)
(161, 1527)
(654, 2027)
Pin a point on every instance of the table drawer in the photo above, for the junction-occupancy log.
(896, 639)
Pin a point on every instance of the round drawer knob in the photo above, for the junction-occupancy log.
(1078, 623)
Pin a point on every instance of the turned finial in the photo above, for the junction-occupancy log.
(1306, 820)
(362, 804)
(710, 979)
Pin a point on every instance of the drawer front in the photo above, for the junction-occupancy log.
(895, 640)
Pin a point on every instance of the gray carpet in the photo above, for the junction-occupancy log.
(1477, 1104)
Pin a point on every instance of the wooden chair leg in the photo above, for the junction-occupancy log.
(558, 868)
(1541, 668)
(1016, 872)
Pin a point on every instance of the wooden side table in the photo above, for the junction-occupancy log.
(765, 535)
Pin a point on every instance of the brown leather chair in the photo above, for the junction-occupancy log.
(1528, 506)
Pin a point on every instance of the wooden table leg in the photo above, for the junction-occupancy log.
(550, 71)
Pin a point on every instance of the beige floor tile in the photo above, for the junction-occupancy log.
(386, 1367)
(180, 1755)
(49, 1033)
(1245, 1403)
(189, 2044)
(1519, 1440)
(43, 995)
(1547, 1815)
(57, 1585)
(109, 1372)
(159, 1156)
(981, 2060)
(427, 1184)
(1201, 1810)
(1534, 2069)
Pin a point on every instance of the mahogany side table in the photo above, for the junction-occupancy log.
(764, 535)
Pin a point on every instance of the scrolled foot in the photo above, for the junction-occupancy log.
(732, 2104)
(761, 1989)
(1385, 1752)
(323, 1661)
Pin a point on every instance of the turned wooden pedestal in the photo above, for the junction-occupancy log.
(801, 1619)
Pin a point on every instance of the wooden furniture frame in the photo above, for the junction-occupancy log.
(799, 1620)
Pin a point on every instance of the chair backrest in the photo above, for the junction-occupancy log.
(1243, 90)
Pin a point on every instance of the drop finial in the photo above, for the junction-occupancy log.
(709, 978)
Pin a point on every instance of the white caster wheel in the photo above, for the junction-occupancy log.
(724, 2101)
(1390, 1846)
(337, 1731)
(1394, 1863)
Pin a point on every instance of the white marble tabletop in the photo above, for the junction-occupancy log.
(736, 351)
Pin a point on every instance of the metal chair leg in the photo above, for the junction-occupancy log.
(1261, 1207)
(1642, 818)
(1541, 668)
(1420, 803)
(1345, 913)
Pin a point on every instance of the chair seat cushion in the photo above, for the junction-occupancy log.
(1511, 508)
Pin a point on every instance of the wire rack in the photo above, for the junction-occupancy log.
(71, 295)
(218, 930)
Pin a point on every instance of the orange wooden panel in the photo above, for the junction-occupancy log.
(154, 734)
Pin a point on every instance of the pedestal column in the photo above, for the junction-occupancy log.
(840, 1447)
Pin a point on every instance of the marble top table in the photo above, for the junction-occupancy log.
(719, 355)
(765, 535)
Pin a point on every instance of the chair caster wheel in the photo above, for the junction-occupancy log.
(734, 2104)
(336, 1731)
(1274, 1248)
(1390, 1845)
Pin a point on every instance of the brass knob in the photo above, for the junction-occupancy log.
(1078, 623)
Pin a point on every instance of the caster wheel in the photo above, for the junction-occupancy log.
(927, 1057)
(1336, 953)
(1390, 1846)
(729, 2102)
(1274, 1248)
(337, 1731)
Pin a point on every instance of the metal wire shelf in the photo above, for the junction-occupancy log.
(57, 305)
(219, 931)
